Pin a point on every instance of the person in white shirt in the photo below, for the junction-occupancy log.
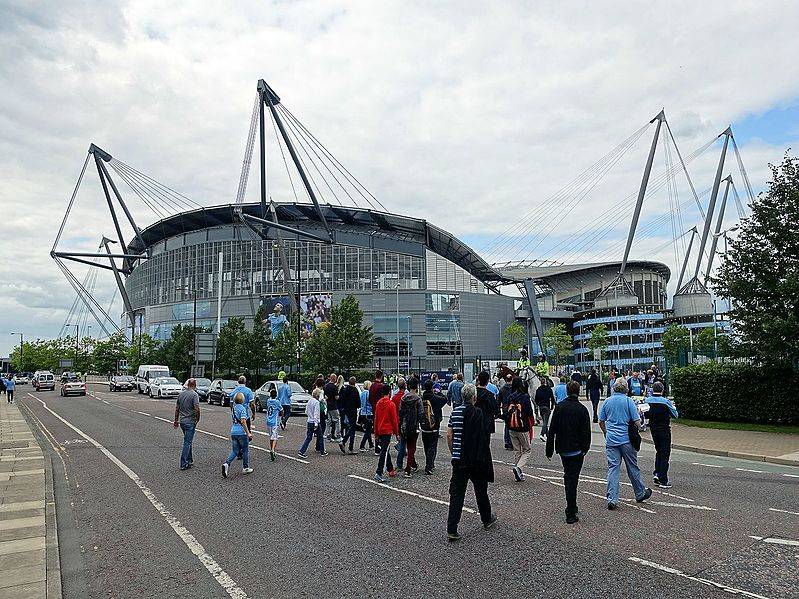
(312, 410)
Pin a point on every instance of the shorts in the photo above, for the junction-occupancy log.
(273, 431)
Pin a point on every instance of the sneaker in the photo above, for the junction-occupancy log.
(246, 471)
(572, 519)
(377, 452)
(517, 473)
(543, 438)
(380, 479)
(647, 494)
(324, 453)
(612, 506)
(428, 472)
(362, 450)
(665, 485)
(272, 455)
(407, 475)
(224, 469)
(491, 522)
(302, 455)
(453, 536)
(352, 452)
(655, 479)
(415, 467)
(341, 447)
(392, 473)
(239, 457)
(184, 467)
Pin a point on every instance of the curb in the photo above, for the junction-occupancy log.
(731, 454)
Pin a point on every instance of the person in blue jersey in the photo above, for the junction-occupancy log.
(240, 437)
(661, 411)
(284, 395)
(560, 390)
(635, 384)
(249, 402)
(366, 417)
(10, 385)
(277, 321)
(273, 421)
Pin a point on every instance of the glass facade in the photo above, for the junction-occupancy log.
(386, 334)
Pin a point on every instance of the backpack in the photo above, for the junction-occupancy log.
(429, 421)
(515, 416)
(409, 418)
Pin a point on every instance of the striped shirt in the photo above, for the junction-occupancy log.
(456, 424)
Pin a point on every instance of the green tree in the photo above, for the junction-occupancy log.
(233, 346)
(177, 352)
(259, 350)
(513, 338)
(676, 340)
(343, 343)
(705, 342)
(284, 348)
(600, 339)
(558, 343)
(108, 352)
(760, 272)
(143, 350)
(43, 354)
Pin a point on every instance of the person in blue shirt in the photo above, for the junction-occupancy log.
(635, 385)
(493, 388)
(240, 437)
(367, 418)
(10, 384)
(615, 417)
(454, 391)
(273, 411)
(249, 402)
(284, 395)
(277, 321)
(561, 391)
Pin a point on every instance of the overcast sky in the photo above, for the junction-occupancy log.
(467, 114)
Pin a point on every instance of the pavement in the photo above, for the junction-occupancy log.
(29, 561)
(132, 525)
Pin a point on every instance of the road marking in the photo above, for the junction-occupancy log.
(406, 492)
(685, 505)
(706, 465)
(791, 475)
(222, 577)
(776, 540)
(142, 413)
(749, 470)
(704, 581)
(773, 509)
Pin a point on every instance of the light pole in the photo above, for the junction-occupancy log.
(715, 334)
(398, 333)
(21, 351)
(88, 344)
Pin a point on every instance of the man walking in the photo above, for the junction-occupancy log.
(284, 395)
(273, 421)
(486, 399)
(240, 437)
(187, 416)
(10, 385)
(313, 412)
(367, 418)
(570, 436)
(617, 415)
(429, 423)
(469, 437)
(331, 397)
(593, 390)
(386, 425)
(545, 400)
(661, 411)
(348, 402)
(517, 415)
(454, 391)
(396, 398)
(502, 398)
(410, 415)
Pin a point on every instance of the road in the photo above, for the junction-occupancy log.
(132, 525)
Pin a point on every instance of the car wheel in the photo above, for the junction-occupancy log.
(159, 394)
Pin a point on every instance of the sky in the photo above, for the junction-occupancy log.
(471, 115)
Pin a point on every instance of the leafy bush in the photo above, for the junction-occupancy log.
(736, 393)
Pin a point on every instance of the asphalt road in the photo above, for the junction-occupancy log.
(132, 525)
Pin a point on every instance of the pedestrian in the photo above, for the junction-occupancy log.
(502, 398)
(454, 391)
(274, 411)
(10, 384)
(486, 399)
(396, 398)
(560, 390)
(284, 395)
(367, 419)
(517, 416)
(187, 416)
(570, 437)
(318, 392)
(331, 398)
(469, 440)
(661, 411)
(611, 381)
(376, 389)
(386, 425)
(409, 416)
(593, 391)
(616, 417)
(635, 385)
(249, 399)
(240, 437)
(545, 400)
(348, 402)
(314, 423)
(430, 422)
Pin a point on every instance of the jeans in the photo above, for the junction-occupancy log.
(384, 442)
(571, 476)
(286, 414)
(430, 444)
(521, 443)
(410, 446)
(368, 423)
(10, 395)
(457, 491)
(188, 436)
(335, 421)
(595, 403)
(309, 431)
(544, 420)
(350, 432)
(507, 440)
(400, 453)
(320, 436)
(615, 455)
(662, 441)
(240, 444)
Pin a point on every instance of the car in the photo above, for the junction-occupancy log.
(68, 376)
(203, 386)
(165, 386)
(121, 382)
(299, 396)
(73, 387)
(23, 378)
(147, 373)
(43, 379)
(220, 391)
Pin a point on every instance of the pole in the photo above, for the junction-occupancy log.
(499, 330)
(712, 206)
(219, 298)
(694, 233)
(715, 334)
(194, 327)
(299, 323)
(398, 343)
(262, 140)
(714, 243)
(408, 347)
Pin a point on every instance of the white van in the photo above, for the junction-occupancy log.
(43, 379)
(147, 373)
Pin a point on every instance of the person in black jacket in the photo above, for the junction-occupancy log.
(545, 400)
(432, 405)
(349, 400)
(570, 436)
(593, 391)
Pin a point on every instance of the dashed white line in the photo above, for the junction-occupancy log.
(749, 470)
(704, 581)
(142, 413)
(773, 509)
(791, 475)
(706, 465)
(776, 541)
(406, 492)
(222, 577)
(690, 506)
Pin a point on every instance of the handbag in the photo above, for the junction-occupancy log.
(635, 435)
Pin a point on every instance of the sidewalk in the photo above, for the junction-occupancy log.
(25, 515)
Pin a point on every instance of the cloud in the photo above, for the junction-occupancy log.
(466, 114)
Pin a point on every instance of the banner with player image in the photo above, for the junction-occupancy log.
(315, 309)
(278, 310)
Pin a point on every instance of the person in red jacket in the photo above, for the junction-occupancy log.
(386, 424)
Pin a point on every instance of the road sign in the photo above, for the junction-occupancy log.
(205, 347)
(65, 363)
(122, 365)
(198, 371)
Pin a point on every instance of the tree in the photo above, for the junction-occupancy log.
(705, 342)
(177, 351)
(557, 342)
(760, 272)
(232, 346)
(143, 350)
(284, 348)
(259, 349)
(676, 340)
(599, 340)
(341, 344)
(108, 352)
(513, 338)
(43, 354)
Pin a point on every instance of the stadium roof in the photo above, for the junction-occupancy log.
(542, 273)
(339, 218)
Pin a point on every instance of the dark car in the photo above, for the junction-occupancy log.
(121, 383)
(202, 389)
(69, 376)
(220, 391)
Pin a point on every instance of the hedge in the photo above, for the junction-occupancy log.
(736, 393)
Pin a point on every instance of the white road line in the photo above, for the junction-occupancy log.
(704, 581)
(791, 475)
(749, 470)
(690, 506)
(706, 465)
(773, 509)
(222, 577)
(776, 540)
(406, 492)
(142, 413)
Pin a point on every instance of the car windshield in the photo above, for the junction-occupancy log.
(168, 380)
(123, 379)
(154, 374)
(203, 382)
(296, 387)
(229, 384)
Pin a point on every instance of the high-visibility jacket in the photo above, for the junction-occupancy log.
(542, 368)
(524, 363)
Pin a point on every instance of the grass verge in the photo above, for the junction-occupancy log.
(741, 426)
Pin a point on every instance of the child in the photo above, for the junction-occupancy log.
(240, 437)
(273, 421)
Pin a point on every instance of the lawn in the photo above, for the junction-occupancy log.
(742, 426)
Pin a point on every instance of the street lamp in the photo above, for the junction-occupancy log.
(21, 350)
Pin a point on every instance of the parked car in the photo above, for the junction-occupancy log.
(121, 382)
(299, 396)
(22, 378)
(147, 373)
(73, 387)
(203, 386)
(43, 379)
(221, 391)
(68, 376)
(165, 386)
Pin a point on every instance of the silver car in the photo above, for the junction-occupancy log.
(299, 396)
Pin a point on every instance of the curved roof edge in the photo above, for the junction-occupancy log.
(542, 273)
